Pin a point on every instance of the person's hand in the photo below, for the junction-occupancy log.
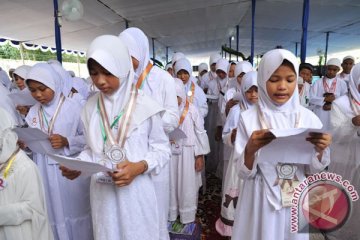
(68, 173)
(23, 110)
(320, 140)
(356, 121)
(57, 141)
(199, 163)
(327, 106)
(229, 105)
(126, 172)
(330, 97)
(257, 140)
(218, 133)
(233, 135)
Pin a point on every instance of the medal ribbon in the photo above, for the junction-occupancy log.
(124, 123)
(185, 111)
(143, 75)
(332, 88)
(42, 116)
(192, 89)
(11, 160)
(355, 105)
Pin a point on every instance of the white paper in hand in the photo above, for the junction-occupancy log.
(22, 98)
(289, 146)
(86, 168)
(36, 140)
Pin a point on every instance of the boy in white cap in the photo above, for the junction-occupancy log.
(326, 90)
(347, 64)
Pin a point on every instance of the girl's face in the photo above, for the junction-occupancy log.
(252, 95)
(40, 92)
(102, 78)
(203, 72)
(232, 71)
(281, 85)
(20, 83)
(221, 74)
(179, 100)
(239, 77)
(183, 75)
(170, 71)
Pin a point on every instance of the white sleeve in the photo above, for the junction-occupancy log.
(76, 142)
(159, 147)
(171, 116)
(202, 146)
(314, 98)
(341, 126)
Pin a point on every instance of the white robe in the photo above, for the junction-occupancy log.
(317, 99)
(22, 204)
(305, 95)
(8, 105)
(199, 98)
(185, 181)
(345, 77)
(68, 202)
(259, 214)
(345, 160)
(130, 212)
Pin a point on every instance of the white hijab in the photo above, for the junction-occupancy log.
(249, 80)
(214, 58)
(355, 82)
(277, 116)
(242, 67)
(8, 138)
(183, 64)
(4, 79)
(222, 64)
(176, 57)
(138, 45)
(81, 86)
(65, 77)
(45, 74)
(202, 67)
(22, 71)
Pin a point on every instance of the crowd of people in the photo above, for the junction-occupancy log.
(160, 131)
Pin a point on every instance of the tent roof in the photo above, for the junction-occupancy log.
(190, 26)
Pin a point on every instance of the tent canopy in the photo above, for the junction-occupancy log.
(189, 26)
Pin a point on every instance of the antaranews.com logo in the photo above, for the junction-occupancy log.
(323, 201)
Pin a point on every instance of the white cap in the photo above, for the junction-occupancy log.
(349, 57)
(334, 62)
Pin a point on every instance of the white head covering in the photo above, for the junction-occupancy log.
(22, 71)
(354, 82)
(249, 80)
(183, 64)
(349, 57)
(81, 86)
(202, 67)
(176, 57)
(72, 74)
(4, 79)
(169, 65)
(243, 67)
(8, 138)
(45, 74)
(222, 64)
(334, 62)
(214, 58)
(138, 45)
(276, 115)
(65, 78)
(180, 92)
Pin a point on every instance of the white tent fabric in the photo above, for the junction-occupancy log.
(191, 27)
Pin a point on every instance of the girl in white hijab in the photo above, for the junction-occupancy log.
(124, 204)
(345, 155)
(22, 204)
(157, 84)
(194, 93)
(186, 165)
(232, 95)
(210, 75)
(67, 203)
(231, 183)
(279, 108)
(202, 69)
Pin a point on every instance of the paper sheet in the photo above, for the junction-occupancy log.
(86, 168)
(290, 146)
(177, 134)
(22, 98)
(36, 140)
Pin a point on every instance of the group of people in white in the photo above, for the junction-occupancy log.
(130, 117)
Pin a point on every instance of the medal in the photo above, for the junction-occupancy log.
(189, 93)
(115, 154)
(286, 171)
